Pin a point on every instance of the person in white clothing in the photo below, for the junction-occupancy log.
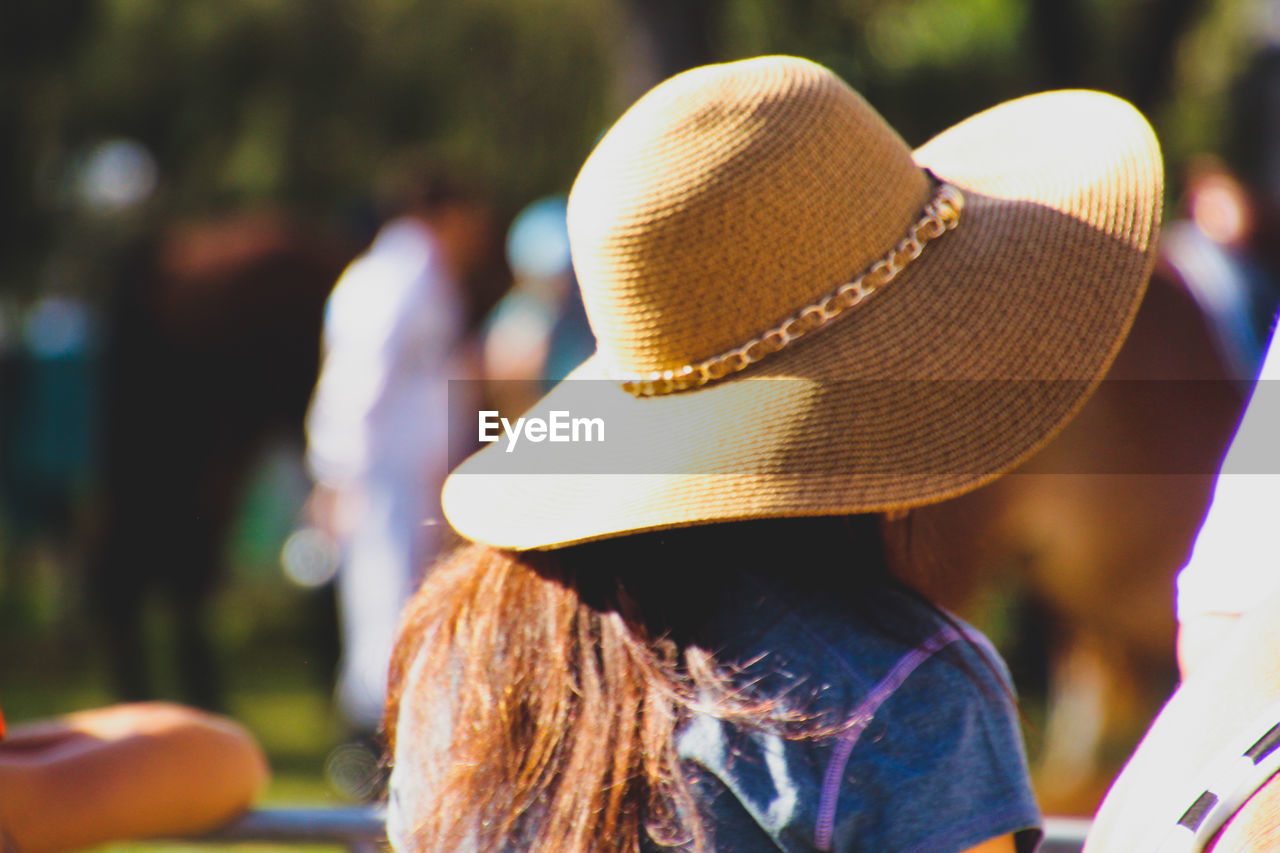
(377, 428)
(1235, 565)
(1200, 776)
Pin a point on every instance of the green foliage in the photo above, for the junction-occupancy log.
(1209, 60)
(306, 101)
(299, 101)
(924, 64)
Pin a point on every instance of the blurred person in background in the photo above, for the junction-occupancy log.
(211, 347)
(377, 429)
(538, 331)
(1227, 249)
(123, 772)
(1216, 743)
(48, 388)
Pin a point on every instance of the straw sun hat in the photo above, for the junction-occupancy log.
(799, 315)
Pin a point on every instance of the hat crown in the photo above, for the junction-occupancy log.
(726, 199)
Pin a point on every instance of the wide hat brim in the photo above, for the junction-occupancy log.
(960, 369)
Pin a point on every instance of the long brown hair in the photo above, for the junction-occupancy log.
(567, 673)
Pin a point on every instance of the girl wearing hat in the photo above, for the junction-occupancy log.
(684, 629)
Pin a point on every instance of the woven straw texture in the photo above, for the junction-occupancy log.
(733, 195)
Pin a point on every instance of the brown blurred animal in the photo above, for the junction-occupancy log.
(1089, 534)
(213, 344)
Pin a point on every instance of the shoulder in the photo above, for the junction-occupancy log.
(933, 759)
(916, 745)
(828, 653)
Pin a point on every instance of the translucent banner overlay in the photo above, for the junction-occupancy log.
(1127, 427)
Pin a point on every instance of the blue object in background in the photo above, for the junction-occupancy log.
(47, 412)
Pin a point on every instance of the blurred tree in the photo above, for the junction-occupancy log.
(302, 102)
(672, 36)
(37, 39)
(286, 101)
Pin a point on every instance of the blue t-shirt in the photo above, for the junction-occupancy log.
(919, 747)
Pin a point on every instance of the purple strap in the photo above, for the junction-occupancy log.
(858, 723)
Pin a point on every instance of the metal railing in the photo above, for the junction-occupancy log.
(1064, 834)
(362, 830)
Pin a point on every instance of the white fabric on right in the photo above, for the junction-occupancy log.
(1236, 559)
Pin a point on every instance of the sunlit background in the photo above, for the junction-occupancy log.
(127, 125)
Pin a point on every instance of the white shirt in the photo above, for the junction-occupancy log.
(392, 326)
(1236, 560)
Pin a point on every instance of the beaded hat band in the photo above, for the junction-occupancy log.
(940, 216)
